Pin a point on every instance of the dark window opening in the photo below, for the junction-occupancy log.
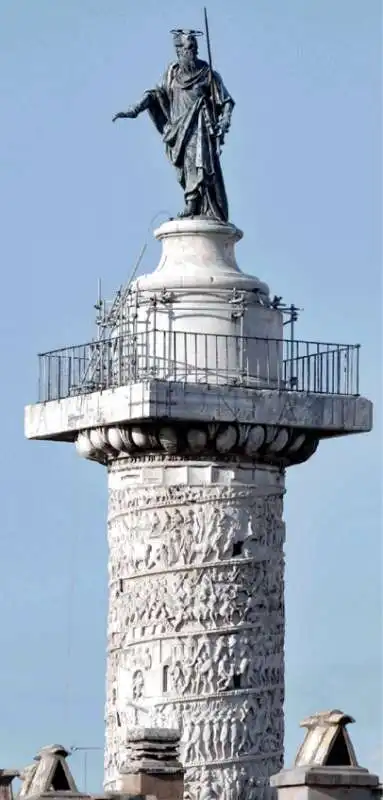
(121, 585)
(165, 679)
(59, 779)
(237, 680)
(237, 548)
(339, 755)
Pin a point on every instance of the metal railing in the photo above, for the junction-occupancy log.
(200, 358)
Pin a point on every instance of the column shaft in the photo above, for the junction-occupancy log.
(196, 617)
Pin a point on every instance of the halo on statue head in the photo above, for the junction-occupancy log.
(182, 35)
(185, 32)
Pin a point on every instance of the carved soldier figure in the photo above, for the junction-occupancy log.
(224, 738)
(178, 677)
(208, 788)
(207, 738)
(192, 748)
(191, 109)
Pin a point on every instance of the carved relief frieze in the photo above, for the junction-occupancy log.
(166, 535)
(246, 781)
(215, 732)
(196, 624)
(205, 665)
(204, 598)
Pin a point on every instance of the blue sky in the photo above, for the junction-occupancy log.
(303, 172)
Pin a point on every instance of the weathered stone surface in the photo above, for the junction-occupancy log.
(235, 443)
(327, 737)
(155, 736)
(325, 776)
(6, 778)
(326, 766)
(329, 415)
(326, 783)
(199, 253)
(151, 787)
(196, 480)
(196, 619)
(49, 773)
(152, 751)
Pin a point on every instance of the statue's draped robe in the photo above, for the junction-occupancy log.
(181, 110)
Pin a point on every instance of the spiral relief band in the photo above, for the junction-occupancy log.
(196, 615)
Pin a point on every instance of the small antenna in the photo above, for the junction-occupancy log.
(84, 751)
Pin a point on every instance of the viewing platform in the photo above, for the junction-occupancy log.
(200, 358)
(179, 376)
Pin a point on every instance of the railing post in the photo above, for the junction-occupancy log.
(105, 363)
(186, 355)
(103, 351)
(39, 381)
(240, 358)
(69, 375)
(299, 367)
(308, 363)
(165, 357)
(338, 369)
(357, 347)
(121, 357)
(109, 366)
(348, 370)
(226, 370)
(58, 377)
(134, 357)
(155, 356)
(81, 364)
(327, 368)
(49, 378)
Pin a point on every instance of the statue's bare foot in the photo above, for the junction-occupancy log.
(187, 212)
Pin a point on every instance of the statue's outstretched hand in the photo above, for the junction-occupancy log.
(131, 113)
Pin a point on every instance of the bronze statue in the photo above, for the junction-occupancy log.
(192, 110)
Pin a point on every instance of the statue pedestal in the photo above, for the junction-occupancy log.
(204, 315)
(200, 253)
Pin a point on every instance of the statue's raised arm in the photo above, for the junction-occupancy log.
(192, 110)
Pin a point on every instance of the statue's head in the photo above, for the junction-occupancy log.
(186, 45)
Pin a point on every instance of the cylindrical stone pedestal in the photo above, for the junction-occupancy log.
(196, 617)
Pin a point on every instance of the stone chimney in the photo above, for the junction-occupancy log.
(48, 774)
(6, 778)
(326, 767)
(150, 766)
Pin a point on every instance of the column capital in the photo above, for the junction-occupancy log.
(273, 445)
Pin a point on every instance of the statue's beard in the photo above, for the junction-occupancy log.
(187, 63)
